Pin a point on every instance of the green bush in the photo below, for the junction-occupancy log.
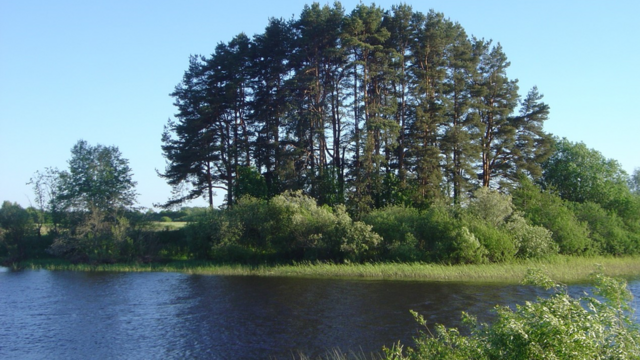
(16, 231)
(290, 226)
(213, 229)
(437, 232)
(235, 253)
(406, 251)
(260, 223)
(558, 327)
(466, 249)
(530, 241)
(398, 227)
(607, 229)
(358, 242)
(485, 216)
(499, 244)
(307, 224)
(92, 237)
(548, 210)
(490, 206)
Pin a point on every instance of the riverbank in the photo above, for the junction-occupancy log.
(561, 268)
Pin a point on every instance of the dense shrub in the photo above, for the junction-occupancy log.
(543, 208)
(170, 243)
(258, 221)
(503, 232)
(486, 215)
(16, 231)
(607, 230)
(499, 244)
(93, 237)
(530, 241)
(558, 327)
(211, 231)
(97, 238)
(490, 206)
(399, 227)
(488, 227)
(466, 249)
(308, 226)
(357, 240)
(290, 226)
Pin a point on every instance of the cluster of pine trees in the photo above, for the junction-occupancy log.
(369, 108)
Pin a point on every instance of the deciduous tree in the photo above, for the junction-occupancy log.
(99, 178)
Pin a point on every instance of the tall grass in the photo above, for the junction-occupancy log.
(338, 354)
(566, 269)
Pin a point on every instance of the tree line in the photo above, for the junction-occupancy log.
(368, 108)
(582, 204)
(369, 136)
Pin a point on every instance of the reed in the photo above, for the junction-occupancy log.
(337, 354)
(563, 268)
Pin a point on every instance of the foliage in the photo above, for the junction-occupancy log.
(607, 230)
(437, 232)
(289, 226)
(490, 206)
(634, 181)
(183, 214)
(433, 234)
(399, 228)
(370, 108)
(530, 241)
(580, 174)
(94, 196)
(99, 179)
(46, 185)
(546, 209)
(250, 183)
(558, 327)
(210, 233)
(503, 232)
(486, 215)
(487, 229)
(466, 248)
(499, 244)
(16, 230)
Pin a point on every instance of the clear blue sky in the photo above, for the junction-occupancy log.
(102, 71)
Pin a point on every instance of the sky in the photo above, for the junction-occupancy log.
(102, 71)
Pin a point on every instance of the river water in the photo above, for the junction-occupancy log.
(80, 315)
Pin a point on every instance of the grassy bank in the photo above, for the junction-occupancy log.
(562, 268)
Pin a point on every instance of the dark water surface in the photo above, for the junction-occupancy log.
(79, 315)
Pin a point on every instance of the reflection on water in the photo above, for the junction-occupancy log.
(77, 315)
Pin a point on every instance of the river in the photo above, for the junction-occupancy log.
(80, 315)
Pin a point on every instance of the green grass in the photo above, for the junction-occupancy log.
(561, 268)
(174, 225)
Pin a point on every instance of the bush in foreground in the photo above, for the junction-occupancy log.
(560, 327)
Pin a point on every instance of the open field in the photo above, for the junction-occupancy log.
(161, 225)
(561, 268)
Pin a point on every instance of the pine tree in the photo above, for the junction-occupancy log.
(186, 142)
(428, 74)
(365, 37)
(372, 107)
(401, 24)
(321, 76)
(459, 144)
(533, 145)
(495, 98)
(272, 111)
